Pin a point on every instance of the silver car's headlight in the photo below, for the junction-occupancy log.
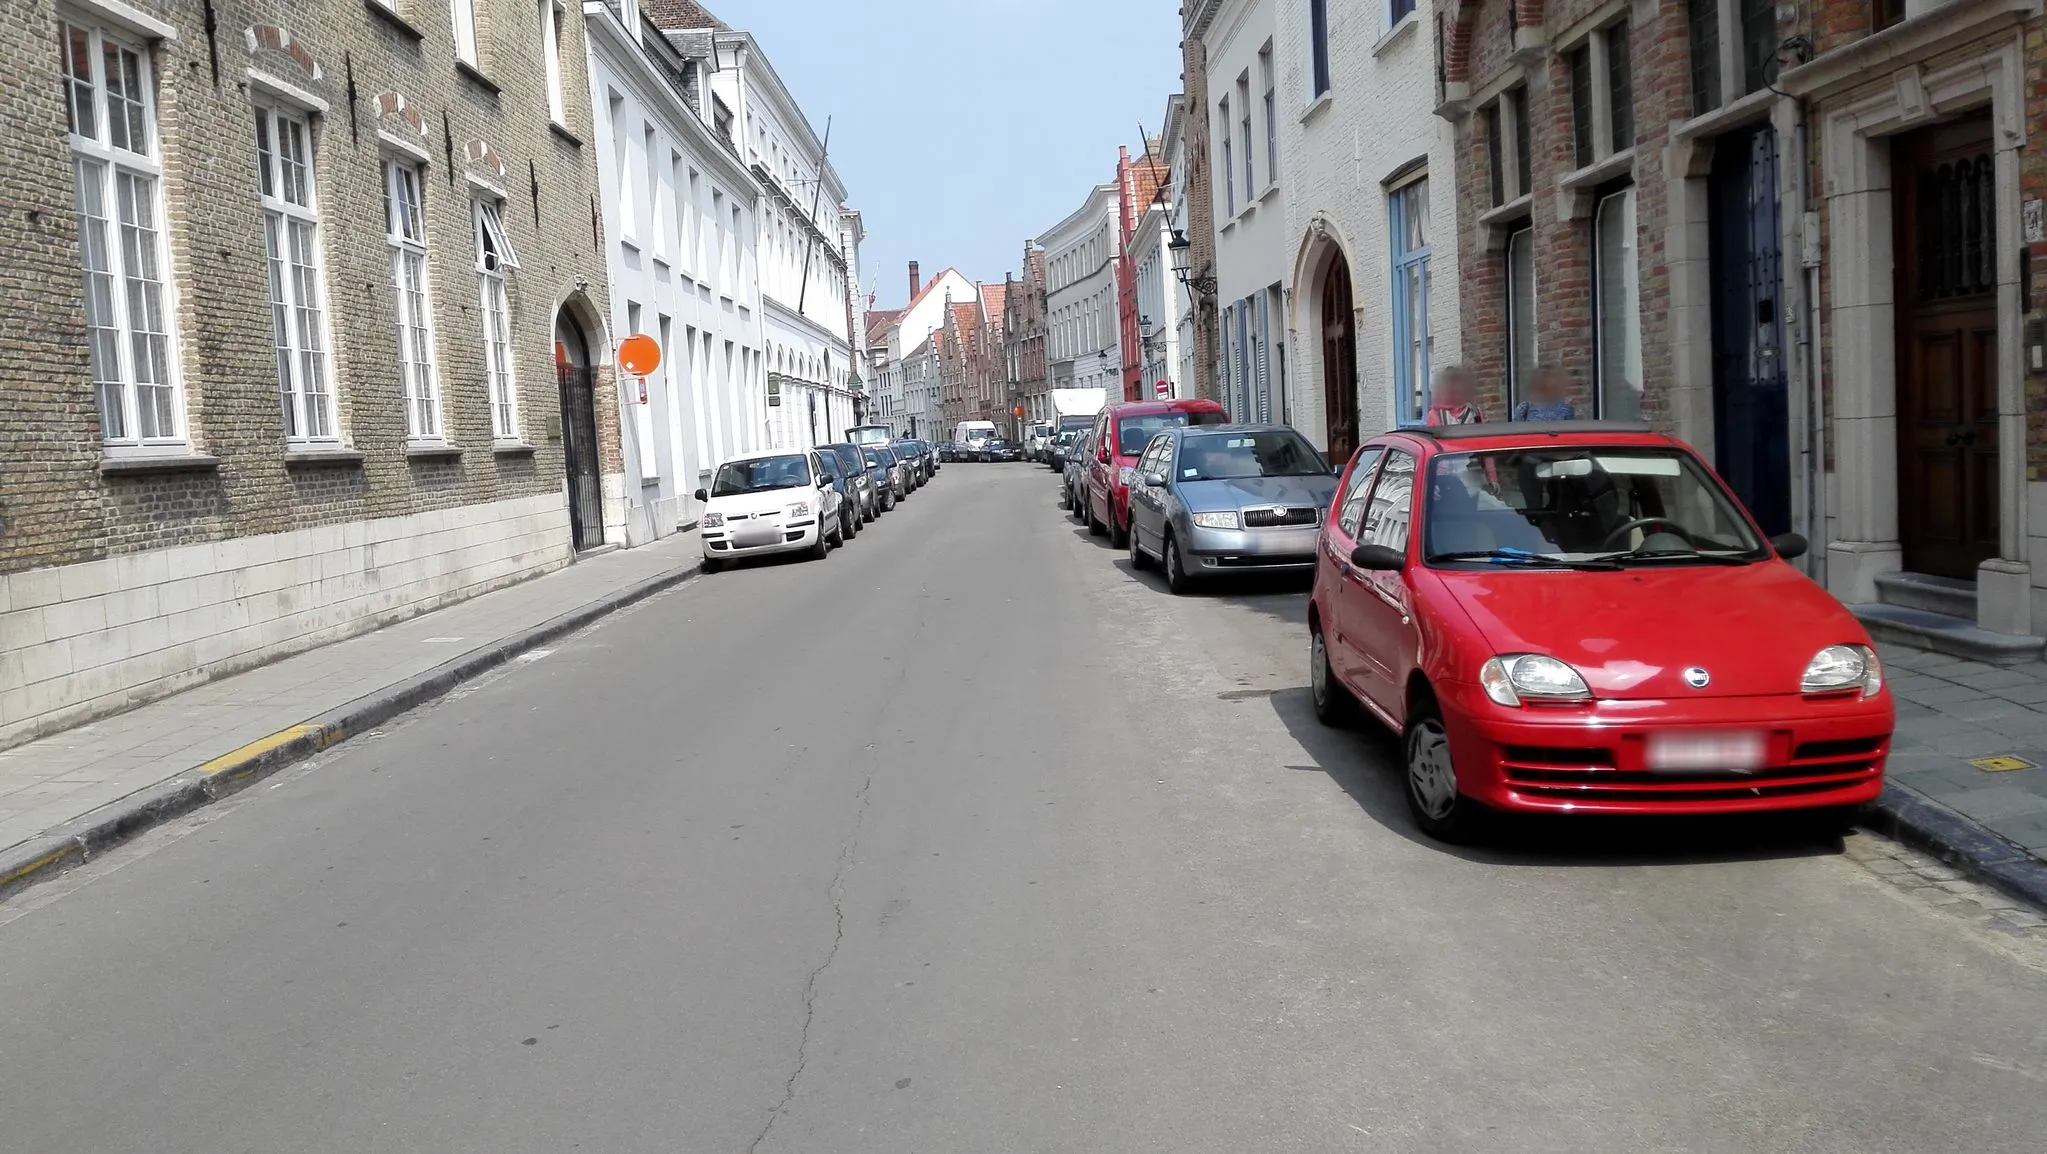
(1839, 667)
(1226, 519)
(799, 509)
(1512, 676)
(712, 520)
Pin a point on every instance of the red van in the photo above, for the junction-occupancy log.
(1121, 433)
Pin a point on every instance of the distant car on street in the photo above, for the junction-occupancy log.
(1121, 433)
(1073, 480)
(914, 455)
(849, 484)
(773, 502)
(893, 476)
(855, 463)
(1055, 449)
(1579, 618)
(949, 451)
(999, 449)
(1212, 500)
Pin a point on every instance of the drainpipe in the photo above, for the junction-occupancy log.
(1808, 344)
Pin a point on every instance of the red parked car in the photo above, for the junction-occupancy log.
(1121, 433)
(1579, 617)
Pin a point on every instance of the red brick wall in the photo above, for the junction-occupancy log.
(1563, 248)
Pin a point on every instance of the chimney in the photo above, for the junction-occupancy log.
(916, 281)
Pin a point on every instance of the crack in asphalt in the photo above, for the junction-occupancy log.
(837, 890)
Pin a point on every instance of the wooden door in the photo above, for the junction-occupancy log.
(1339, 363)
(1944, 204)
(573, 375)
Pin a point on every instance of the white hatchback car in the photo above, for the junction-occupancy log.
(774, 502)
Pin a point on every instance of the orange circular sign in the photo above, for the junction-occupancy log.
(639, 354)
(1016, 412)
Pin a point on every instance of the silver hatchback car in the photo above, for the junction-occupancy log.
(1209, 500)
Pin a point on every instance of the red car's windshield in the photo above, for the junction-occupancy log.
(1134, 432)
(1618, 504)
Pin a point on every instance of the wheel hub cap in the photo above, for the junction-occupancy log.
(1429, 776)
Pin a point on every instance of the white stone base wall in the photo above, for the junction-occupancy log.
(82, 641)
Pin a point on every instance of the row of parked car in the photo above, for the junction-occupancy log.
(807, 500)
(1573, 617)
(992, 449)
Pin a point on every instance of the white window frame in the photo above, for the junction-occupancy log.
(551, 18)
(1520, 320)
(111, 335)
(1630, 303)
(495, 256)
(462, 21)
(1244, 129)
(1598, 46)
(1270, 80)
(1229, 160)
(1508, 109)
(295, 259)
(412, 298)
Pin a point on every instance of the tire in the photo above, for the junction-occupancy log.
(1138, 560)
(822, 549)
(1429, 781)
(1334, 706)
(1119, 535)
(852, 528)
(1094, 527)
(1177, 579)
(712, 565)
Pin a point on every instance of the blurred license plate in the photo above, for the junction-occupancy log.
(1695, 752)
(756, 535)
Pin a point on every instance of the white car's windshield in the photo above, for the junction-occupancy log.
(760, 475)
(1621, 505)
(1271, 453)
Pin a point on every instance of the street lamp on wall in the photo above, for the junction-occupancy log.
(1183, 266)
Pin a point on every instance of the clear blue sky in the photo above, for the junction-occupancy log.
(964, 127)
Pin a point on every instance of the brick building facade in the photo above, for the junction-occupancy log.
(1796, 235)
(1023, 338)
(214, 455)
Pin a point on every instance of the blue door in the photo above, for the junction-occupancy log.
(1751, 407)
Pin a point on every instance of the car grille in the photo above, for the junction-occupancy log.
(1278, 518)
(1592, 775)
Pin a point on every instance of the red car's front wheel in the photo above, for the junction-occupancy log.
(1438, 806)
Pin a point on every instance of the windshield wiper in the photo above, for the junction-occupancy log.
(1530, 560)
(1634, 555)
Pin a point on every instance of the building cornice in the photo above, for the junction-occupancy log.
(786, 109)
(1934, 30)
(1105, 194)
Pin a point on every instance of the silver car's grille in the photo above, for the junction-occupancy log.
(1270, 517)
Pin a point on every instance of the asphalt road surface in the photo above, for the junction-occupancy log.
(968, 839)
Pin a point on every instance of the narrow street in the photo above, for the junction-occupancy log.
(1000, 848)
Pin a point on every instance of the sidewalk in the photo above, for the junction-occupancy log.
(71, 795)
(1968, 769)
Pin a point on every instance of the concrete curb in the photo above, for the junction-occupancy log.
(95, 833)
(1916, 820)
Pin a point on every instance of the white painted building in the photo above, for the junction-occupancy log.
(679, 235)
(908, 358)
(1159, 295)
(1173, 150)
(808, 251)
(1084, 345)
(1371, 217)
(1247, 191)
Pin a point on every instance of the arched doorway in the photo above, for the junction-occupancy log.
(1339, 361)
(579, 431)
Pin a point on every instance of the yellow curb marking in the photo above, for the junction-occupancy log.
(48, 859)
(2004, 763)
(323, 736)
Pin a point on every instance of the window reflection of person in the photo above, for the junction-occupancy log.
(1454, 401)
(1548, 397)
